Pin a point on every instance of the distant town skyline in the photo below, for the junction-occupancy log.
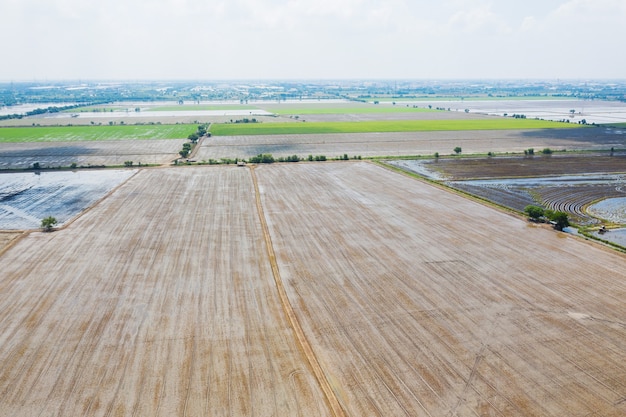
(312, 39)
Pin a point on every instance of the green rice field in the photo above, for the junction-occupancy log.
(242, 129)
(94, 133)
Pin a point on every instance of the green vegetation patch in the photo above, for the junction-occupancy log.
(93, 133)
(383, 126)
(201, 107)
(351, 110)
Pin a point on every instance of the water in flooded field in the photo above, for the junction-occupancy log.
(26, 198)
(612, 209)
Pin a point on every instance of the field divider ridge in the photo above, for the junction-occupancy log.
(322, 380)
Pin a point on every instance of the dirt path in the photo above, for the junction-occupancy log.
(304, 343)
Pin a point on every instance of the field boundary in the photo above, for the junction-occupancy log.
(322, 380)
(386, 126)
(582, 234)
(21, 234)
(95, 204)
(445, 187)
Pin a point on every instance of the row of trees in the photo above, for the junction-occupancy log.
(203, 130)
(559, 219)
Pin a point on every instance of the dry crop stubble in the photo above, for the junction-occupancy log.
(406, 143)
(159, 301)
(420, 302)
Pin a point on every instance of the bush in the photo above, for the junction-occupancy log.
(534, 212)
(48, 223)
(265, 158)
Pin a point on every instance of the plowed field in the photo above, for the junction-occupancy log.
(379, 294)
(409, 143)
(420, 302)
(158, 302)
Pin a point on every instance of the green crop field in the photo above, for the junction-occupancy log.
(243, 129)
(350, 110)
(93, 133)
(202, 107)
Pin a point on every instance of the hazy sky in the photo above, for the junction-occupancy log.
(311, 39)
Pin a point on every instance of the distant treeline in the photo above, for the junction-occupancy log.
(51, 109)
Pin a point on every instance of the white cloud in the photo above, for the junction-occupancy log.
(478, 20)
(313, 38)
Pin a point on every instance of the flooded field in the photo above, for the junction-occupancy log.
(596, 111)
(615, 235)
(157, 115)
(613, 209)
(564, 186)
(26, 198)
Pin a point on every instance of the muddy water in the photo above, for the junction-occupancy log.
(26, 198)
(612, 209)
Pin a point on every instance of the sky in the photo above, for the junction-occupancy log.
(312, 39)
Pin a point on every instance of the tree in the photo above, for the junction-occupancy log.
(559, 218)
(458, 150)
(48, 223)
(534, 212)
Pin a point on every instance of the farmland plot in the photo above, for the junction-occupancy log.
(408, 143)
(54, 154)
(160, 301)
(420, 302)
(28, 197)
(564, 183)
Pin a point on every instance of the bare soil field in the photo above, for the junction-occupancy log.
(95, 153)
(6, 238)
(420, 302)
(160, 301)
(410, 143)
(379, 293)
(532, 166)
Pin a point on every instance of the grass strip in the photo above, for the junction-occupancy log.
(244, 129)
